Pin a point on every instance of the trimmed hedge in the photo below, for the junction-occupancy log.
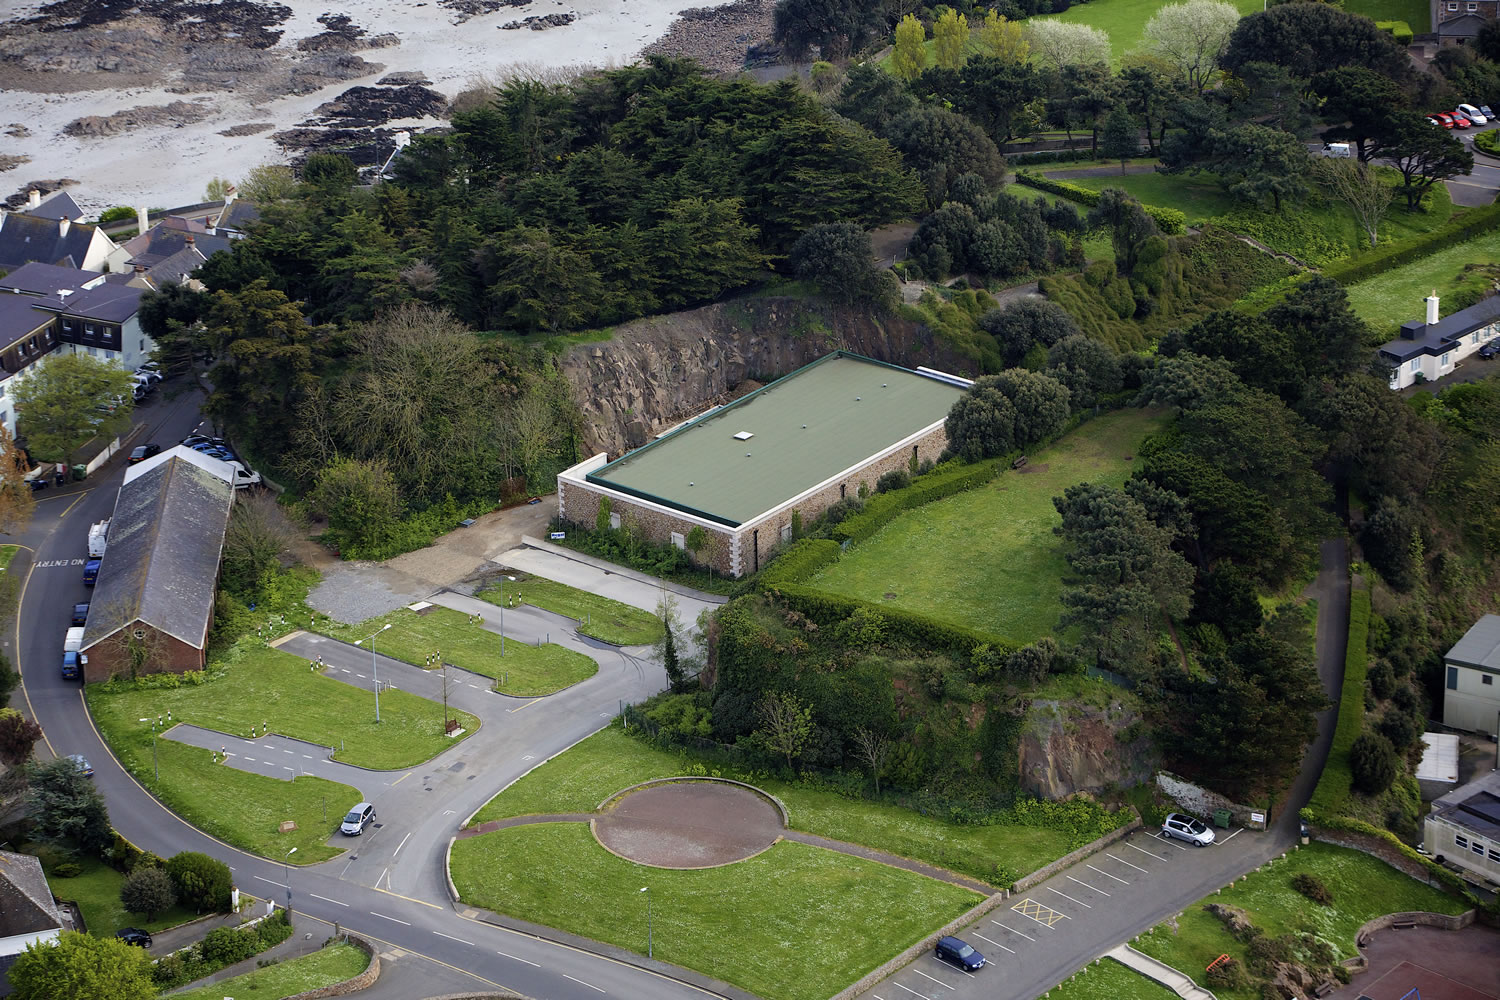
(800, 562)
(1487, 142)
(825, 609)
(1332, 793)
(1399, 30)
(882, 508)
(1168, 220)
(1473, 222)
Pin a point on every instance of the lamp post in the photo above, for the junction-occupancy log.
(286, 873)
(374, 664)
(646, 889)
(502, 617)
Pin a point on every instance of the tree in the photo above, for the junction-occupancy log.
(1309, 37)
(1392, 542)
(1128, 224)
(670, 663)
(17, 503)
(1004, 39)
(909, 57)
(1040, 403)
(66, 808)
(1087, 367)
(839, 258)
(981, 424)
(786, 724)
(202, 882)
(333, 171)
(1357, 103)
(1121, 137)
(171, 316)
(268, 184)
(536, 429)
(1192, 37)
(700, 249)
(1373, 763)
(1088, 92)
(82, 967)
(18, 735)
(872, 750)
(1424, 155)
(1058, 43)
(359, 498)
(696, 540)
(217, 189)
(1022, 323)
(943, 146)
(257, 536)
(544, 283)
(665, 647)
(149, 891)
(950, 33)
(61, 403)
(1356, 185)
(1257, 161)
(991, 92)
(836, 28)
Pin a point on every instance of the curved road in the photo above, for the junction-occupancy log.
(391, 885)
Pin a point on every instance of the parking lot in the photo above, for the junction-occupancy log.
(1038, 937)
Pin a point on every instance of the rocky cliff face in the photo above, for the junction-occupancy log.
(658, 371)
(1070, 747)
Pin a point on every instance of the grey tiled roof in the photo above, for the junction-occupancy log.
(19, 317)
(59, 206)
(176, 268)
(44, 279)
(1440, 336)
(162, 566)
(26, 905)
(1480, 646)
(108, 303)
(237, 215)
(25, 238)
(164, 241)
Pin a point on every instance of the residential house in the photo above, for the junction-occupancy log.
(1471, 695)
(28, 913)
(1457, 22)
(142, 253)
(26, 334)
(154, 599)
(236, 215)
(57, 206)
(1463, 828)
(1427, 351)
(25, 239)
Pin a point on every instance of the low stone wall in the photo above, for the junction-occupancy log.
(354, 985)
(1199, 800)
(786, 820)
(1068, 860)
(1376, 847)
(1421, 918)
(926, 944)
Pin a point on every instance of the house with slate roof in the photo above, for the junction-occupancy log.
(1471, 688)
(154, 600)
(26, 334)
(56, 207)
(1457, 22)
(173, 235)
(28, 913)
(26, 238)
(1427, 351)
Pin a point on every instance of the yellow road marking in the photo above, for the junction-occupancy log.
(1045, 915)
(398, 781)
(74, 504)
(528, 704)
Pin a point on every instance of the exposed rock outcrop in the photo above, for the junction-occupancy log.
(1070, 747)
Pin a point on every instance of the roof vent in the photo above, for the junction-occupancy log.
(856, 399)
(883, 385)
(743, 436)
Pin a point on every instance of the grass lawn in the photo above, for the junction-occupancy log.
(610, 760)
(333, 964)
(7, 553)
(1108, 979)
(527, 671)
(1008, 579)
(1124, 20)
(265, 685)
(97, 893)
(1392, 298)
(796, 922)
(600, 617)
(1414, 12)
(1363, 888)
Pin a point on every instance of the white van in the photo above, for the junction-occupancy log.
(1338, 150)
(243, 478)
(73, 642)
(1473, 114)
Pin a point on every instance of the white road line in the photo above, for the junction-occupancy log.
(1087, 886)
(1106, 874)
(292, 769)
(938, 981)
(326, 899)
(401, 845)
(307, 756)
(250, 759)
(1067, 897)
(1127, 864)
(359, 675)
(392, 919)
(450, 937)
(909, 990)
(286, 751)
(268, 880)
(1012, 930)
(1172, 841)
(997, 944)
(515, 959)
(580, 982)
(268, 746)
(1142, 850)
(1230, 837)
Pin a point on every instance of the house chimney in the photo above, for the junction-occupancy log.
(140, 269)
(63, 225)
(141, 222)
(189, 242)
(1432, 307)
(33, 198)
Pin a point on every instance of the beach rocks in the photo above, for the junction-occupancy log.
(343, 35)
(718, 37)
(402, 78)
(176, 113)
(255, 128)
(541, 22)
(475, 8)
(369, 106)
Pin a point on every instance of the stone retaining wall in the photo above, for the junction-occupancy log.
(1419, 917)
(1199, 800)
(354, 985)
(1068, 860)
(1377, 847)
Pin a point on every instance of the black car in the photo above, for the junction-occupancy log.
(1490, 350)
(193, 439)
(80, 615)
(143, 452)
(135, 936)
(959, 953)
(39, 483)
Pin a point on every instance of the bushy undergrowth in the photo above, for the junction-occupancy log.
(220, 948)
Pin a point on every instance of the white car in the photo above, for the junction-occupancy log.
(1194, 831)
(1473, 114)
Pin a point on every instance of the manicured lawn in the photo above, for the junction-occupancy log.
(1109, 979)
(988, 558)
(1363, 888)
(333, 964)
(1392, 298)
(255, 684)
(581, 778)
(1198, 196)
(524, 671)
(1414, 12)
(97, 893)
(604, 619)
(7, 553)
(796, 922)
(1125, 20)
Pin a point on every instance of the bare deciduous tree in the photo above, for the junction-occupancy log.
(872, 749)
(259, 533)
(1357, 186)
(534, 428)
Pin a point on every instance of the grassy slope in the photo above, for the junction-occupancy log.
(333, 964)
(608, 761)
(1392, 298)
(795, 922)
(530, 671)
(1363, 888)
(1109, 979)
(1125, 20)
(1009, 579)
(607, 620)
(97, 893)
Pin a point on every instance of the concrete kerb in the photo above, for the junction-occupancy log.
(470, 818)
(354, 983)
(601, 564)
(890, 967)
(448, 871)
(1068, 860)
(786, 820)
(1420, 918)
(479, 996)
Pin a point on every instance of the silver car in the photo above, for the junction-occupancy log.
(1194, 831)
(359, 816)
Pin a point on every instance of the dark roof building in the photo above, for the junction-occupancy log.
(105, 301)
(235, 217)
(47, 279)
(1463, 828)
(57, 207)
(27, 911)
(168, 237)
(28, 238)
(1434, 348)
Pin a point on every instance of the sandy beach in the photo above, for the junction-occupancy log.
(166, 165)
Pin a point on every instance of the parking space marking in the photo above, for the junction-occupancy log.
(1106, 874)
(580, 982)
(997, 944)
(1170, 840)
(909, 990)
(938, 981)
(1142, 850)
(1003, 927)
(1227, 839)
(1127, 864)
(1044, 915)
(1087, 886)
(1070, 898)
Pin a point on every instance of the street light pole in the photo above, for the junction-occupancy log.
(646, 889)
(286, 873)
(375, 664)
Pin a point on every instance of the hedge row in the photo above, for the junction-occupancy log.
(799, 562)
(1399, 30)
(1450, 880)
(825, 609)
(1473, 222)
(1332, 793)
(1168, 220)
(944, 481)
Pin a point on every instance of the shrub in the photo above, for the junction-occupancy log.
(896, 479)
(1487, 142)
(148, 891)
(1168, 220)
(1373, 763)
(227, 945)
(946, 480)
(202, 882)
(1227, 974)
(1402, 33)
(1473, 222)
(1313, 888)
(799, 562)
(68, 869)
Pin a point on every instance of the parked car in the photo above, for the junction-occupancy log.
(1194, 831)
(1490, 350)
(150, 374)
(135, 936)
(82, 763)
(1484, 109)
(1460, 120)
(959, 953)
(143, 452)
(39, 483)
(194, 439)
(359, 816)
(1443, 118)
(1473, 114)
(1433, 121)
(91, 572)
(72, 663)
(80, 614)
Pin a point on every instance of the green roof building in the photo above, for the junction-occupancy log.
(741, 470)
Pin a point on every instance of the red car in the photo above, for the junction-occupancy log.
(1459, 120)
(1443, 118)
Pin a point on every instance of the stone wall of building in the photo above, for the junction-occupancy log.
(580, 504)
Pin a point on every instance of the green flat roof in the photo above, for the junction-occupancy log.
(852, 408)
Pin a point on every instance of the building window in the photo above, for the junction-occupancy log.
(1494, 854)
(93, 353)
(614, 521)
(786, 533)
(1444, 361)
(678, 540)
(1486, 679)
(142, 348)
(841, 491)
(1471, 7)
(1452, 678)
(1416, 363)
(1453, 6)
(1477, 848)
(1460, 841)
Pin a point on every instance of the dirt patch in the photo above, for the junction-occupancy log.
(1030, 467)
(689, 825)
(254, 128)
(9, 161)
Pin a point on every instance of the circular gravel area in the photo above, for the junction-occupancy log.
(698, 824)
